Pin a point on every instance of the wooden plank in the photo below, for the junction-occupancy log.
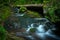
(27, 5)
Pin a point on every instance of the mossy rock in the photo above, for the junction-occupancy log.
(33, 14)
(32, 30)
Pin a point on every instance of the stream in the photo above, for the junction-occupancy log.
(43, 29)
(34, 28)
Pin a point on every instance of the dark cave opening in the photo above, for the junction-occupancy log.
(36, 9)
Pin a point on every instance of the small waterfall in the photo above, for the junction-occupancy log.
(29, 27)
(42, 32)
(18, 13)
(40, 28)
(42, 25)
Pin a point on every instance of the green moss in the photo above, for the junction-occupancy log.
(33, 14)
(22, 2)
(2, 33)
(32, 30)
(22, 9)
(4, 13)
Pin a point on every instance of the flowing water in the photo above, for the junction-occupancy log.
(35, 28)
(43, 29)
